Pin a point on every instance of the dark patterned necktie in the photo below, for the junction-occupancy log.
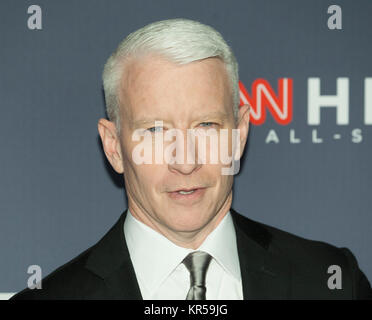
(197, 263)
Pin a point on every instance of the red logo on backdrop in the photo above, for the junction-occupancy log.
(263, 96)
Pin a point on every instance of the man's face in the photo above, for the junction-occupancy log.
(192, 96)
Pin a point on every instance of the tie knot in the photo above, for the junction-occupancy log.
(197, 263)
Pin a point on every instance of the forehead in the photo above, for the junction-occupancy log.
(154, 86)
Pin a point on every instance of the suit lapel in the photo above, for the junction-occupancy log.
(110, 260)
(265, 274)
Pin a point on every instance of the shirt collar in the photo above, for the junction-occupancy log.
(154, 257)
(221, 245)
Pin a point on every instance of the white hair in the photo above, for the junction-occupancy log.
(180, 41)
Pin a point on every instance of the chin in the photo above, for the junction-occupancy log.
(185, 223)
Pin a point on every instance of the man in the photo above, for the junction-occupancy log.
(180, 238)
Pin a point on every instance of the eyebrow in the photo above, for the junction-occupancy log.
(216, 114)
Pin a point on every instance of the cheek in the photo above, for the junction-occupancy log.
(149, 175)
(223, 182)
(228, 138)
(148, 179)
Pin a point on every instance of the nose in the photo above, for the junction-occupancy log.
(184, 168)
(184, 155)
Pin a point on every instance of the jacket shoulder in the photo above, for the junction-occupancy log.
(70, 281)
(313, 262)
(294, 247)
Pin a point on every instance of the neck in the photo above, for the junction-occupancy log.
(190, 239)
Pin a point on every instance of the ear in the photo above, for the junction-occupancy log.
(243, 127)
(111, 144)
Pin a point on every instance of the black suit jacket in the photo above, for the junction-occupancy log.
(274, 265)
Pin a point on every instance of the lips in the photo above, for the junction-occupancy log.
(187, 189)
(187, 194)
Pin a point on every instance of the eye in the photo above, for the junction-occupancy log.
(155, 129)
(208, 124)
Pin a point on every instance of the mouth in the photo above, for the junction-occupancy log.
(187, 194)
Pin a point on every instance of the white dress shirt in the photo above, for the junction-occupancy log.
(159, 269)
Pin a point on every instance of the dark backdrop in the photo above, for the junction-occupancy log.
(58, 194)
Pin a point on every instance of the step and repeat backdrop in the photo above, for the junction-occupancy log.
(304, 66)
